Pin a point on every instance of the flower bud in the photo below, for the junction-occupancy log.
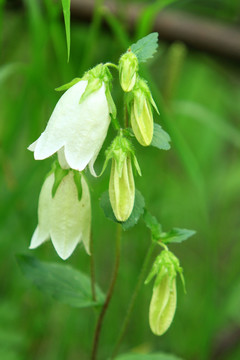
(141, 113)
(122, 189)
(128, 67)
(121, 184)
(164, 298)
(163, 304)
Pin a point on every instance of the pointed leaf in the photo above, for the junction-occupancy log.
(60, 281)
(66, 13)
(68, 85)
(176, 235)
(161, 138)
(152, 223)
(146, 47)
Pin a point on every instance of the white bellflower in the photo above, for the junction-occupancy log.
(63, 217)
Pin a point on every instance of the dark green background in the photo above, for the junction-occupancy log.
(195, 185)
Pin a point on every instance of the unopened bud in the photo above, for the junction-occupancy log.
(164, 298)
(128, 67)
(142, 119)
(141, 113)
(163, 304)
(122, 189)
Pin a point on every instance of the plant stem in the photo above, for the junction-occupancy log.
(132, 301)
(92, 269)
(109, 294)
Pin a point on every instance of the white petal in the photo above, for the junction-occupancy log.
(66, 112)
(62, 160)
(88, 130)
(85, 222)
(70, 219)
(42, 232)
(32, 147)
(38, 238)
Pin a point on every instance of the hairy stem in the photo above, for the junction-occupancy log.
(132, 301)
(109, 294)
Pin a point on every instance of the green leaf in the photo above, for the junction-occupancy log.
(145, 47)
(160, 138)
(153, 224)
(62, 282)
(138, 209)
(176, 235)
(156, 356)
(66, 13)
(68, 85)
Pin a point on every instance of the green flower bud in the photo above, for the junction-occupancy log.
(141, 113)
(163, 304)
(121, 184)
(122, 189)
(128, 67)
(164, 298)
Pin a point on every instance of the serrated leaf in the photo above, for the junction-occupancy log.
(66, 14)
(160, 138)
(153, 224)
(60, 281)
(68, 85)
(176, 235)
(146, 47)
(138, 209)
(156, 356)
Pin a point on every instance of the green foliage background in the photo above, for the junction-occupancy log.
(195, 185)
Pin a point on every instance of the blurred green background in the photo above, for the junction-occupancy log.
(195, 185)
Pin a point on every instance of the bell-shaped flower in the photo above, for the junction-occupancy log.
(140, 104)
(128, 67)
(79, 122)
(164, 298)
(64, 212)
(121, 184)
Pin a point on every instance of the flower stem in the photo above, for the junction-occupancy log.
(132, 301)
(112, 65)
(109, 294)
(92, 270)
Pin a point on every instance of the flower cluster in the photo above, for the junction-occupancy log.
(76, 132)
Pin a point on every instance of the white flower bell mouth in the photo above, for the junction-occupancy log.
(63, 218)
(79, 129)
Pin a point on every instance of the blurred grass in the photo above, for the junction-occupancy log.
(195, 185)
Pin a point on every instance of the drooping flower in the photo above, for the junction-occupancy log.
(79, 123)
(164, 298)
(121, 184)
(128, 67)
(140, 103)
(64, 213)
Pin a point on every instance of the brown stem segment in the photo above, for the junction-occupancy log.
(109, 294)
